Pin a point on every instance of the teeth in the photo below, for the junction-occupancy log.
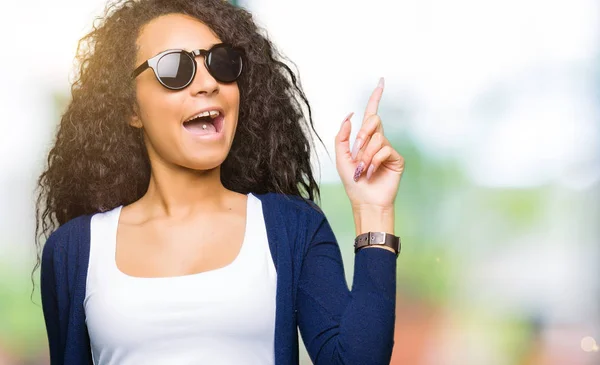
(209, 113)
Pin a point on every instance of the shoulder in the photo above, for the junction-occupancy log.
(67, 237)
(290, 206)
(301, 219)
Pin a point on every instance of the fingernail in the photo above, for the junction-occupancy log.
(381, 83)
(370, 171)
(359, 170)
(357, 146)
(346, 119)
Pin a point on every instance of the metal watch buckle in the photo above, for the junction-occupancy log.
(377, 238)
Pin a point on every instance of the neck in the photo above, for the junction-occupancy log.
(175, 191)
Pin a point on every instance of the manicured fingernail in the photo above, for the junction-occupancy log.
(359, 170)
(381, 83)
(348, 118)
(357, 146)
(370, 171)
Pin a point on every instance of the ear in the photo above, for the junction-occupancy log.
(135, 120)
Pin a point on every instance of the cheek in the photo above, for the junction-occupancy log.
(232, 94)
(236, 107)
(159, 111)
(237, 95)
(233, 99)
(160, 119)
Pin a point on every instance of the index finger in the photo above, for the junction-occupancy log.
(373, 103)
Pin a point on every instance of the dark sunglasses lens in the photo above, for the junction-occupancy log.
(175, 70)
(224, 63)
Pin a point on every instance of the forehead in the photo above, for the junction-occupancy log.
(173, 31)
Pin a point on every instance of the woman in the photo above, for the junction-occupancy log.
(181, 185)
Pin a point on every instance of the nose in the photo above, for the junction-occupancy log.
(203, 82)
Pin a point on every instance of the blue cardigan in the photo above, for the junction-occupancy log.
(338, 326)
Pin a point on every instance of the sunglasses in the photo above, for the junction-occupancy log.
(175, 69)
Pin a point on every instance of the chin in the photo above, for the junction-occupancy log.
(203, 162)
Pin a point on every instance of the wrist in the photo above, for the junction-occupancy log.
(371, 218)
(381, 248)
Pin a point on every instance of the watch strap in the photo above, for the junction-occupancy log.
(377, 239)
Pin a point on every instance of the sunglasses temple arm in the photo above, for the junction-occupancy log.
(140, 69)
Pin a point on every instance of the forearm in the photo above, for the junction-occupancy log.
(360, 331)
(371, 312)
(341, 326)
(368, 323)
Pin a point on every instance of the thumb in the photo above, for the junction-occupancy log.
(342, 140)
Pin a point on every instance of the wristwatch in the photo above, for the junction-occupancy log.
(377, 238)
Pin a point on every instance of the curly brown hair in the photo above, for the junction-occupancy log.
(99, 161)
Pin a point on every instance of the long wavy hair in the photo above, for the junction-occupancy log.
(99, 161)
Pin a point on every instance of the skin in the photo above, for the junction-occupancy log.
(371, 171)
(188, 222)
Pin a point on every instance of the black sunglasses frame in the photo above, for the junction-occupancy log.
(153, 63)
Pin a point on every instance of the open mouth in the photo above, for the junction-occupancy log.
(208, 122)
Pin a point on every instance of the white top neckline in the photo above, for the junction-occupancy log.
(195, 276)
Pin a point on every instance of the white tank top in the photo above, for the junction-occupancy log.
(222, 316)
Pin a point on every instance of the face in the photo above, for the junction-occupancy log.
(203, 143)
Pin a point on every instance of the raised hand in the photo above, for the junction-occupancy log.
(372, 170)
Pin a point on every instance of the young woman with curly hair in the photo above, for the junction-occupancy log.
(178, 204)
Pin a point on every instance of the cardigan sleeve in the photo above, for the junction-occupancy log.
(51, 274)
(339, 326)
